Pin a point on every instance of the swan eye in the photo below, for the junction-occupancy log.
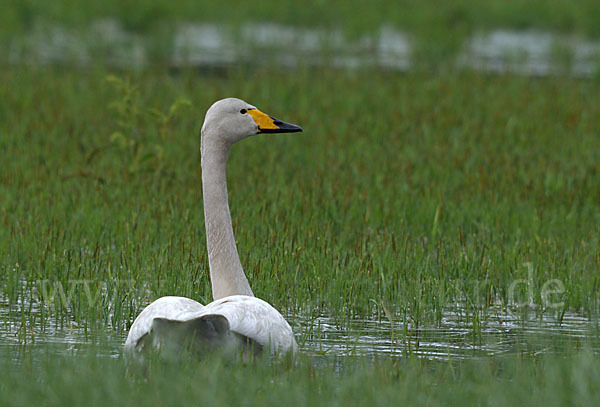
(243, 111)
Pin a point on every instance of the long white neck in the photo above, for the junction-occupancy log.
(226, 273)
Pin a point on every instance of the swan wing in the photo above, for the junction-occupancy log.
(255, 319)
(170, 308)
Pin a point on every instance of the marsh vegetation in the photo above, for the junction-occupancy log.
(432, 236)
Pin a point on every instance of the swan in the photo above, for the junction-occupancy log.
(236, 320)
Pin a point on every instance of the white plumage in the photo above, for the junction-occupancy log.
(248, 316)
(236, 318)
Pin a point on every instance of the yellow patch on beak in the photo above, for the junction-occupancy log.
(262, 120)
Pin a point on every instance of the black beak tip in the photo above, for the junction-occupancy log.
(288, 127)
(295, 129)
(283, 127)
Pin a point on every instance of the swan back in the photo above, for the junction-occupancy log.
(237, 321)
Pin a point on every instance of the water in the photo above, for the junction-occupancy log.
(452, 338)
(455, 336)
(531, 53)
(209, 45)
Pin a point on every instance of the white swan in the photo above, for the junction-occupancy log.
(235, 319)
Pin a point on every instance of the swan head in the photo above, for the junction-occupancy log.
(233, 120)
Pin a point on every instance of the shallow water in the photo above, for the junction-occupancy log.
(455, 336)
(452, 338)
(526, 52)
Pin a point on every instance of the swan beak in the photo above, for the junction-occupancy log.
(268, 124)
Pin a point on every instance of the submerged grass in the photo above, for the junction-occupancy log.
(87, 380)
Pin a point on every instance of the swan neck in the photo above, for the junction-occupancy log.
(226, 272)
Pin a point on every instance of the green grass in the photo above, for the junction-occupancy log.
(84, 380)
(418, 16)
(404, 195)
(406, 189)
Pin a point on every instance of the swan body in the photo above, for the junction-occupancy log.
(236, 319)
(247, 316)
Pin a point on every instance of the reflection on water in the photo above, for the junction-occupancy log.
(452, 338)
(456, 336)
(210, 45)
